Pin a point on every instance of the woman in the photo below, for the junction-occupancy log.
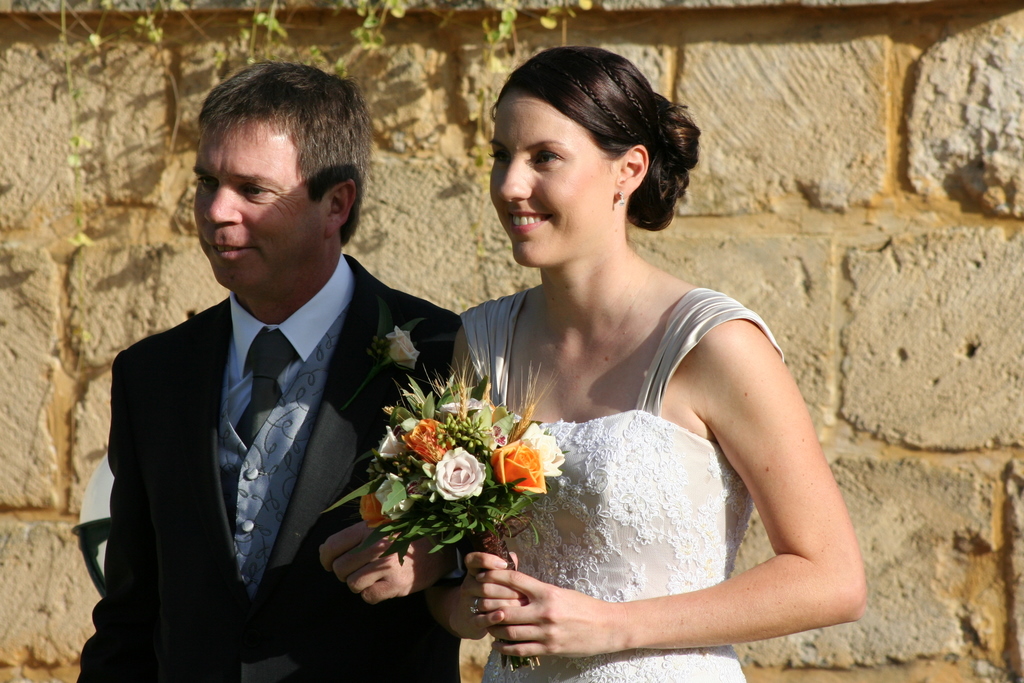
(671, 401)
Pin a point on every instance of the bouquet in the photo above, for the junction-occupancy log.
(453, 466)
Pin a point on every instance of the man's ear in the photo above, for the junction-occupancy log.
(633, 167)
(338, 203)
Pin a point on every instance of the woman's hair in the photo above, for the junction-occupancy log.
(609, 97)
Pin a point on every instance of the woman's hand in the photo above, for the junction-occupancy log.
(481, 604)
(548, 620)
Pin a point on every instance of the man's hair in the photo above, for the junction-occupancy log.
(325, 116)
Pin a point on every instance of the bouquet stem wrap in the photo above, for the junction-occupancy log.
(494, 543)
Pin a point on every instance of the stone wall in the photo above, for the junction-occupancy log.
(862, 187)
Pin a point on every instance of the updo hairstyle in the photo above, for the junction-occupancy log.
(610, 98)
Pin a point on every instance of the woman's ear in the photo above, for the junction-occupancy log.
(633, 167)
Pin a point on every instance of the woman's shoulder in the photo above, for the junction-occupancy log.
(502, 307)
(701, 311)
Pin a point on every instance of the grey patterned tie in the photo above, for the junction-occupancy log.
(269, 354)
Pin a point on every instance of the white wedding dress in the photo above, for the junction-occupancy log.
(644, 508)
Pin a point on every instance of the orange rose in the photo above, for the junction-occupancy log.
(423, 441)
(519, 461)
(371, 511)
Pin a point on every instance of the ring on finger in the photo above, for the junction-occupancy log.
(475, 607)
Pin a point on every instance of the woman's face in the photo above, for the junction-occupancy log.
(554, 189)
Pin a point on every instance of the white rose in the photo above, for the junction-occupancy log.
(385, 489)
(459, 475)
(546, 446)
(401, 349)
(390, 445)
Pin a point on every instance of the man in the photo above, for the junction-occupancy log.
(231, 433)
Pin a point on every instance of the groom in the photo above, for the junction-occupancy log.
(232, 432)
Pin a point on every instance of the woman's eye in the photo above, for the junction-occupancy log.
(205, 183)
(500, 156)
(544, 157)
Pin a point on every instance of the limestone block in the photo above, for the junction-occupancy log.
(92, 427)
(29, 309)
(48, 596)
(427, 228)
(406, 92)
(920, 526)
(35, 171)
(654, 62)
(785, 280)
(1015, 531)
(122, 118)
(785, 118)
(122, 294)
(31, 674)
(934, 345)
(966, 124)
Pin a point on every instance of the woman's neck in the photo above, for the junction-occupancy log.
(593, 297)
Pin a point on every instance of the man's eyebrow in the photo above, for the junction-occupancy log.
(259, 180)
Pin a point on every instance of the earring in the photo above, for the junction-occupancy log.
(622, 200)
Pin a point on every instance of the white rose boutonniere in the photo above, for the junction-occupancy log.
(400, 348)
(392, 345)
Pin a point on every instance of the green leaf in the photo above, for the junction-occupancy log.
(427, 411)
(409, 424)
(549, 22)
(358, 493)
(407, 327)
(80, 239)
(480, 390)
(396, 497)
(416, 392)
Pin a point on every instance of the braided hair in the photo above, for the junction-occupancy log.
(607, 95)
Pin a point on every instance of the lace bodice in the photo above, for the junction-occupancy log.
(644, 508)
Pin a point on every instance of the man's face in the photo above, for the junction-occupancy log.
(266, 240)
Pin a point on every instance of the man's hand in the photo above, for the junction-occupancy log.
(376, 577)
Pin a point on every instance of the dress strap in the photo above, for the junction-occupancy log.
(698, 311)
(489, 328)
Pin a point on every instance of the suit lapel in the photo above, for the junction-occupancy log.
(327, 464)
(201, 407)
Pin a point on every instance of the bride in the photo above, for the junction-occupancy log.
(672, 402)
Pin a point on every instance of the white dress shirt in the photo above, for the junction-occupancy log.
(304, 329)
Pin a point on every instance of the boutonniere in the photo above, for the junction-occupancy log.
(392, 345)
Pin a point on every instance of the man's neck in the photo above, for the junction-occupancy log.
(275, 311)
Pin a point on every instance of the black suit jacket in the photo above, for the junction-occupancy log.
(176, 609)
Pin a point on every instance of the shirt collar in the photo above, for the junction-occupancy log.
(305, 327)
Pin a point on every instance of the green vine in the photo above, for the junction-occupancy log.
(375, 14)
(274, 34)
(76, 143)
